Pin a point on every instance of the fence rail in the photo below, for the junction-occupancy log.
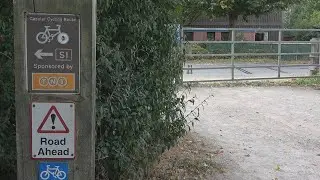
(252, 42)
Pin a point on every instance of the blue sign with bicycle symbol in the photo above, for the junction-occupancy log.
(53, 171)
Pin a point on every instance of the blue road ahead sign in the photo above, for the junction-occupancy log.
(53, 171)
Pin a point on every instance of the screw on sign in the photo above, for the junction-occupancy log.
(53, 171)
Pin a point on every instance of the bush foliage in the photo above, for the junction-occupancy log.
(139, 114)
(225, 48)
(138, 68)
(7, 121)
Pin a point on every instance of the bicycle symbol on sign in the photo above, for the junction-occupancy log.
(49, 34)
(53, 172)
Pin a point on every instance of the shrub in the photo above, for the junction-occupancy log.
(7, 111)
(138, 68)
(139, 114)
(197, 49)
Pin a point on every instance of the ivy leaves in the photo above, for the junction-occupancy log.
(138, 61)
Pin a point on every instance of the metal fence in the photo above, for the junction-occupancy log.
(210, 60)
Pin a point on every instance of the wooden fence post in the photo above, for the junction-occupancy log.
(55, 77)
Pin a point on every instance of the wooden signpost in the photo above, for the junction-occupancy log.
(55, 73)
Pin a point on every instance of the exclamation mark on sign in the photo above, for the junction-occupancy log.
(53, 118)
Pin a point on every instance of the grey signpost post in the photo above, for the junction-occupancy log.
(55, 88)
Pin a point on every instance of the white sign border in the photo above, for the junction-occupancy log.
(31, 133)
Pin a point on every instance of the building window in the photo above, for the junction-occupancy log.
(188, 36)
(259, 37)
(211, 36)
(225, 36)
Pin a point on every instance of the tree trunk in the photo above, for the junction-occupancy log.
(232, 22)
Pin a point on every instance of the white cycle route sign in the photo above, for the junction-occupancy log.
(53, 130)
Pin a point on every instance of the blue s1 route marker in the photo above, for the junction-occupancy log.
(53, 171)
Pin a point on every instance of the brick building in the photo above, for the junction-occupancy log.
(271, 20)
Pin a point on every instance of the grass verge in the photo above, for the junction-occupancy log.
(192, 158)
(245, 60)
(313, 82)
(298, 82)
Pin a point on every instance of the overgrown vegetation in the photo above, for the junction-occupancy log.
(139, 114)
(7, 111)
(313, 82)
(305, 15)
(193, 158)
(139, 65)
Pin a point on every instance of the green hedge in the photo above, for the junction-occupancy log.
(138, 64)
(7, 111)
(225, 48)
(258, 48)
(138, 68)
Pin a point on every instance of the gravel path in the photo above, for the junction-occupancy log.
(263, 133)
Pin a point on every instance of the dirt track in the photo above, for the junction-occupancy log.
(263, 132)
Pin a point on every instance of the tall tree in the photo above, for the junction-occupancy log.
(189, 10)
(233, 9)
(304, 15)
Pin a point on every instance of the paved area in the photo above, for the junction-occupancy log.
(265, 133)
(242, 73)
